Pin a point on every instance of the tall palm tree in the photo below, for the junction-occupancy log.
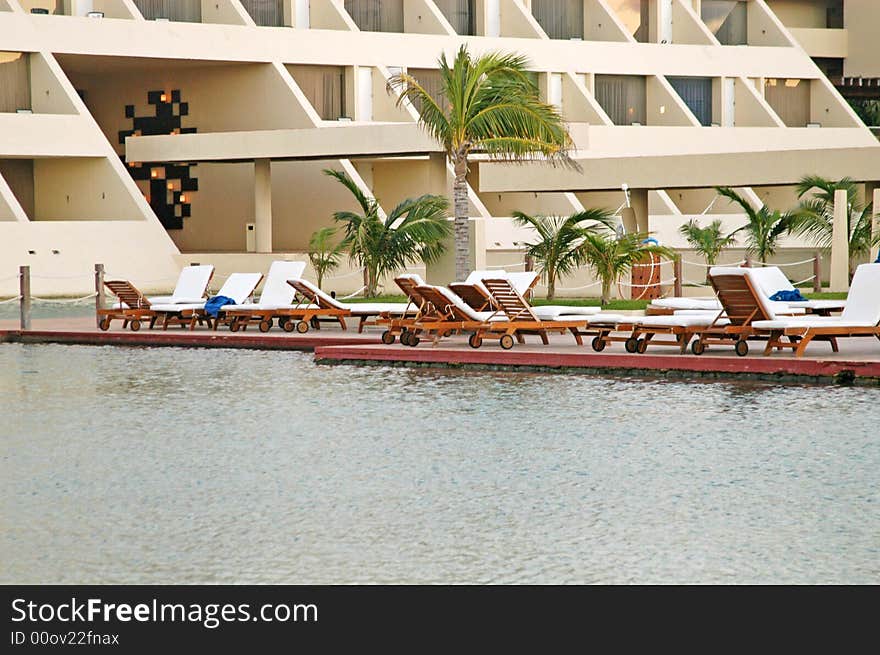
(413, 231)
(323, 253)
(814, 218)
(558, 250)
(487, 104)
(612, 257)
(765, 226)
(707, 241)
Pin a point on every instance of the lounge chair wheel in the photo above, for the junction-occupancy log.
(288, 325)
(404, 337)
(631, 345)
(598, 344)
(104, 324)
(314, 322)
(741, 348)
(506, 341)
(233, 327)
(265, 326)
(302, 327)
(698, 347)
(642, 346)
(135, 325)
(475, 341)
(413, 340)
(387, 337)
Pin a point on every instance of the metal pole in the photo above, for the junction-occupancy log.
(99, 291)
(817, 272)
(677, 274)
(24, 290)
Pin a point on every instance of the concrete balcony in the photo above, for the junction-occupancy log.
(822, 42)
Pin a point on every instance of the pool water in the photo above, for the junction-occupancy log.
(151, 465)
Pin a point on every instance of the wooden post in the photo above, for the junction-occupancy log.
(529, 264)
(24, 290)
(677, 272)
(748, 263)
(817, 272)
(99, 291)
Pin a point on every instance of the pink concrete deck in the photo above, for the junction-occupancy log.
(858, 359)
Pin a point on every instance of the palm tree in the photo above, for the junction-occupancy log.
(413, 231)
(323, 254)
(764, 229)
(611, 257)
(486, 104)
(707, 241)
(558, 251)
(814, 218)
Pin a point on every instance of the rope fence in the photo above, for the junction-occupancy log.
(64, 301)
(800, 263)
(10, 300)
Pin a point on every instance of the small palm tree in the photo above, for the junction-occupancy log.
(323, 254)
(707, 241)
(558, 250)
(487, 104)
(611, 257)
(814, 218)
(765, 226)
(413, 231)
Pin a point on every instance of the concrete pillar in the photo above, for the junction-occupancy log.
(840, 244)
(876, 224)
(638, 200)
(263, 204)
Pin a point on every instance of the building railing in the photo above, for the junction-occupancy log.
(188, 11)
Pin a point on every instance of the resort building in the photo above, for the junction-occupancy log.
(148, 134)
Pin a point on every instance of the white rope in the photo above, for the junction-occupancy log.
(685, 261)
(63, 277)
(586, 286)
(339, 277)
(11, 277)
(64, 301)
(110, 276)
(9, 300)
(503, 266)
(812, 277)
(806, 261)
(654, 284)
(696, 284)
(619, 209)
(352, 295)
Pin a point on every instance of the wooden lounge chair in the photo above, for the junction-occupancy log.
(132, 306)
(521, 320)
(400, 325)
(238, 286)
(443, 313)
(332, 309)
(276, 300)
(860, 318)
(313, 306)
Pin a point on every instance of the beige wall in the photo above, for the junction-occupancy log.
(47, 95)
(19, 176)
(802, 13)
(862, 21)
(80, 189)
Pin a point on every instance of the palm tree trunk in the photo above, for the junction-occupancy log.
(551, 284)
(606, 290)
(462, 236)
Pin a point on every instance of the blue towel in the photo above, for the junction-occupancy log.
(214, 303)
(788, 296)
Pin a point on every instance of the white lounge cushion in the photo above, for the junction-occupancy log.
(806, 322)
(238, 286)
(816, 305)
(678, 320)
(276, 291)
(686, 303)
(371, 308)
(609, 318)
(553, 312)
(521, 281)
(177, 307)
(192, 283)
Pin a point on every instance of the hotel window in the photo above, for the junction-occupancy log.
(561, 19)
(727, 20)
(187, 11)
(324, 86)
(15, 81)
(697, 95)
(790, 99)
(460, 14)
(376, 15)
(268, 13)
(431, 82)
(623, 97)
(634, 14)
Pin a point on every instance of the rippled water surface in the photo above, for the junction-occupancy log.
(172, 465)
